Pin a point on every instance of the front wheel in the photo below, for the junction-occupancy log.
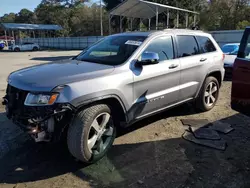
(91, 133)
(209, 94)
(17, 50)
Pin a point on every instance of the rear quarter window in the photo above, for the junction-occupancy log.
(206, 45)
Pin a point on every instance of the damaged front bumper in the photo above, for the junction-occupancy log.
(42, 123)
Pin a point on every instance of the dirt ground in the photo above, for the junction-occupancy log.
(151, 153)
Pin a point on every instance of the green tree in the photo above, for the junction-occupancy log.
(57, 14)
(8, 18)
(25, 16)
(243, 24)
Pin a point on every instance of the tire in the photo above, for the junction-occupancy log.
(204, 98)
(35, 48)
(17, 50)
(81, 133)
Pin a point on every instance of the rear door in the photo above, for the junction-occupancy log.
(197, 54)
(240, 97)
(191, 66)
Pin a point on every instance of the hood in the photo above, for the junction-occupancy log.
(229, 60)
(45, 77)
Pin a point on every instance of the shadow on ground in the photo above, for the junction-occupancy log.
(170, 162)
(56, 58)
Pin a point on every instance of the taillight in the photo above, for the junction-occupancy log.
(223, 56)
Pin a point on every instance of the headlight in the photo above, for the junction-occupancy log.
(40, 99)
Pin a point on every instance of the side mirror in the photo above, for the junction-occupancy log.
(149, 58)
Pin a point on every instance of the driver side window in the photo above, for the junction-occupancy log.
(163, 46)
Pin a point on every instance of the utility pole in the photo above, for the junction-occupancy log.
(101, 17)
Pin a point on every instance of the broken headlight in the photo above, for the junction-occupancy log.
(40, 99)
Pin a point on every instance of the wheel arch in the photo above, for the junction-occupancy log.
(113, 101)
(217, 74)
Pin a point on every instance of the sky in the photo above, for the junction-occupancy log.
(7, 6)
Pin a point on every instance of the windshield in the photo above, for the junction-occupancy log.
(230, 49)
(112, 50)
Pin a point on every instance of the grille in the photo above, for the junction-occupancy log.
(16, 98)
(21, 113)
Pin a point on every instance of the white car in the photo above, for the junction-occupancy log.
(27, 46)
(230, 51)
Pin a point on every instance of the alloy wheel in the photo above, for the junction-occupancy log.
(211, 94)
(100, 133)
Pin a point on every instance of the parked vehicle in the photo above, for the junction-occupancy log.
(230, 51)
(240, 97)
(1, 45)
(119, 80)
(27, 46)
(231, 48)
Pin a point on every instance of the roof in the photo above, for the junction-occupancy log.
(143, 9)
(226, 31)
(20, 26)
(136, 33)
(169, 31)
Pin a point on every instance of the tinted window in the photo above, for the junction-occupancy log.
(187, 46)
(205, 44)
(112, 50)
(163, 46)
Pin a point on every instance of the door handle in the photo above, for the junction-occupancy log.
(173, 66)
(203, 59)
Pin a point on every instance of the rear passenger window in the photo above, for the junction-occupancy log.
(205, 44)
(163, 46)
(187, 46)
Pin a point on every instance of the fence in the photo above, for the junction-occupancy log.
(224, 37)
(68, 43)
(79, 43)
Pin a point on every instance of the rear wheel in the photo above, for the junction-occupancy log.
(209, 94)
(17, 50)
(35, 48)
(91, 133)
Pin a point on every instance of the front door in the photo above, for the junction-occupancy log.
(157, 86)
(240, 97)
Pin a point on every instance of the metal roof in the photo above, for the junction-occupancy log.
(20, 26)
(143, 9)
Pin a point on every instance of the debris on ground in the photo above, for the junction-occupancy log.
(222, 127)
(216, 144)
(195, 123)
(206, 133)
(140, 182)
(202, 132)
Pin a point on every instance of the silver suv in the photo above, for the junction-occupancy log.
(119, 80)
